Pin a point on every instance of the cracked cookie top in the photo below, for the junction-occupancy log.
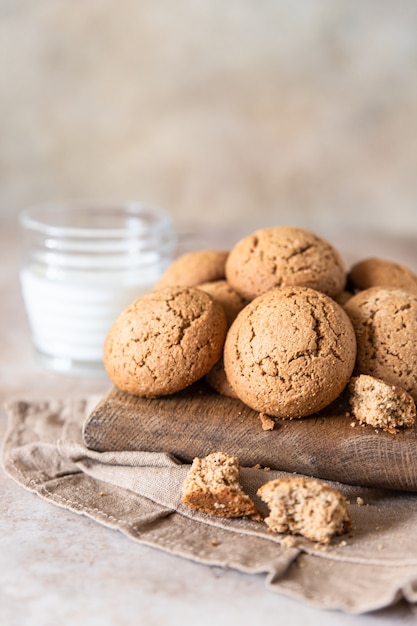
(385, 322)
(165, 341)
(290, 352)
(283, 256)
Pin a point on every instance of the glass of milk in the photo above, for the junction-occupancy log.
(83, 264)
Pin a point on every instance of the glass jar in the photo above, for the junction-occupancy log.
(83, 264)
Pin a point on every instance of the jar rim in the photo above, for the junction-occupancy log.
(95, 219)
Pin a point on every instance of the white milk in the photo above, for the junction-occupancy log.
(69, 320)
(84, 265)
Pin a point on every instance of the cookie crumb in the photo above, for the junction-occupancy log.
(214, 543)
(267, 422)
(289, 542)
(360, 501)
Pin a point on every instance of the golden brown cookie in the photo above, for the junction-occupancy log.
(283, 256)
(194, 268)
(217, 379)
(305, 506)
(165, 341)
(212, 486)
(380, 404)
(374, 272)
(290, 352)
(385, 322)
(343, 297)
(231, 301)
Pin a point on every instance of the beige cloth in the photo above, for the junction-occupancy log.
(139, 493)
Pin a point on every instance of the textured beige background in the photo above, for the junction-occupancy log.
(221, 111)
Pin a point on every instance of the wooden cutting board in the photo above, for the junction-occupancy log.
(198, 421)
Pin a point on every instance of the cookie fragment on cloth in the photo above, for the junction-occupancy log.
(305, 506)
(212, 486)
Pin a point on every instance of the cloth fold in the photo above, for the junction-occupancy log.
(139, 493)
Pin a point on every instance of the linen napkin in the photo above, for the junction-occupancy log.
(139, 494)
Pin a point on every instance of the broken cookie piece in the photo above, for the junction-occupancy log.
(268, 423)
(305, 506)
(381, 404)
(212, 486)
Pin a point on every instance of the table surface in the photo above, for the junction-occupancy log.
(60, 568)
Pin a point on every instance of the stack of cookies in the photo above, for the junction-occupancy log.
(280, 324)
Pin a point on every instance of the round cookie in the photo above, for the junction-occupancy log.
(385, 322)
(231, 301)
(284, 256)
(217, 380)
(290, 352)
(194, 268)
(374, 272)
(343, 297)
(165, 341)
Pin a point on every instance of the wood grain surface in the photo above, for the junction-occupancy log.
(198, 421)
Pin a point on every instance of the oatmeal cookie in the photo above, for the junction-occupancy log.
(218, 381)
(231, 301)
(165, 341)
(375, 272)
(194, 268)
(385, 323)
(290, 352)
(283, 256)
